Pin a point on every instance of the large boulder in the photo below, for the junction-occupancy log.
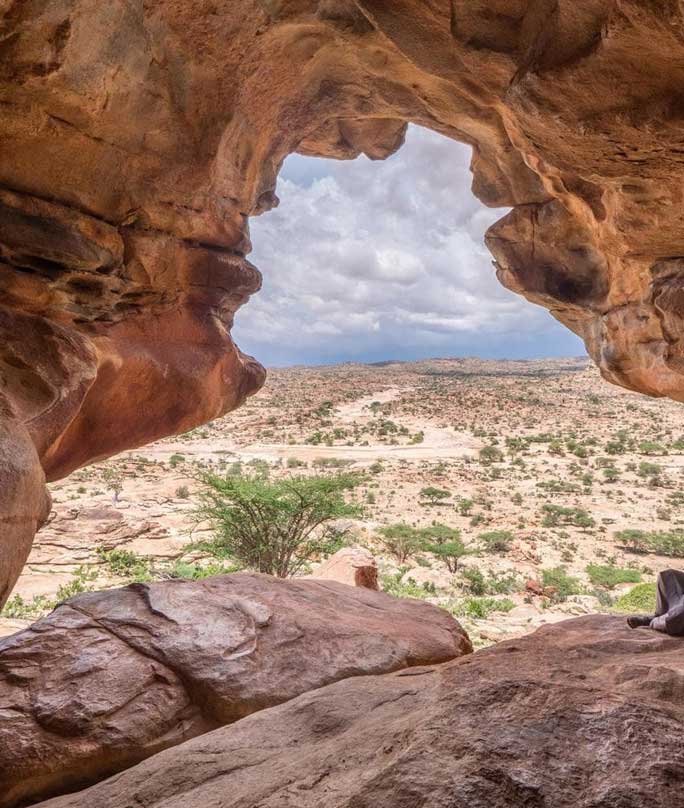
(582, 714)
(112, 677)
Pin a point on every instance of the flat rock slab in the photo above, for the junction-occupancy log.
(582, 714)
(112, 677)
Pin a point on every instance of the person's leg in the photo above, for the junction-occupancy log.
(662, 604)
(670, 603)
(664, 591)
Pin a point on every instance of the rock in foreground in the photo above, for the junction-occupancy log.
(583, 714)
(112, 677)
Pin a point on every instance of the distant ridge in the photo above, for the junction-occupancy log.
(554, 359)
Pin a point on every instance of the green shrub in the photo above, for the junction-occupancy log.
(332, 462)
(564, 584)
(649, 447)
(640, 600)
(668, 543)
(195, 572)
(610, 576)
(489, 455)
(555, 515)
(125, 564)
(465, 506)
(647, 469)
(502, 583)
(662, 542)
(496, 541)
(636, 541)
(480, 608)
(476, 581)
(393, 585)
(19, 609)
(498, 583)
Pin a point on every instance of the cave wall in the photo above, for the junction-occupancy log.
(137, 137)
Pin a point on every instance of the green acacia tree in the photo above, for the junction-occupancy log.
(274, 526)
(434, 495)
(445, 542)
(401, 540)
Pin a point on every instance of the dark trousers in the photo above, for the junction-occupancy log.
(670, 600)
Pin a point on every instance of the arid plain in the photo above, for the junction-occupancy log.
(568, 492)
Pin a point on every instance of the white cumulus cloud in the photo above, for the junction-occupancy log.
(376, 260)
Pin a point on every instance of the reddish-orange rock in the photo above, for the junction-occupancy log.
(112, 677)
(583, 713)
(137, 138)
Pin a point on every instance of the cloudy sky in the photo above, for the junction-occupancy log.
(382, 260)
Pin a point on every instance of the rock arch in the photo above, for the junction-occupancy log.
(138, 137)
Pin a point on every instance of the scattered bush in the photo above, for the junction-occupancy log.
(496, 541)
(555, 515)
(465, 506)
(17, 608)
(564, 584)
(480, 608)
(393, 585)
(662, 542)
(125, 564)
(332, 462)
(195, 572)
(610, 576)
(489, 455)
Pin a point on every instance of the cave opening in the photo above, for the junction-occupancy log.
(375, 260)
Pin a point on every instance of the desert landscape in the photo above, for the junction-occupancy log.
(567, 493)
(513, 512)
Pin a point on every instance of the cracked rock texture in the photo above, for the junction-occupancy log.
(112, 677)
(583, 714)
(137, 138)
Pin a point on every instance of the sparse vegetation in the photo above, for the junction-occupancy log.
(526, 454)
(609, 576)
(274, 526)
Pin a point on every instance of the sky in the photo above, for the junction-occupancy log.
(367, 261)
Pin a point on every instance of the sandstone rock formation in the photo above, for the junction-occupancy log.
(584, 714)
(137, 139)
(112, 677)
(353, 566)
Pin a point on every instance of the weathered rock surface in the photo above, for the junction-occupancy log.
(137, 139)
(112, 677)
(583, 714)
(353, 566)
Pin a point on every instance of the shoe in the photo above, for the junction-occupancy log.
(639, 620)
